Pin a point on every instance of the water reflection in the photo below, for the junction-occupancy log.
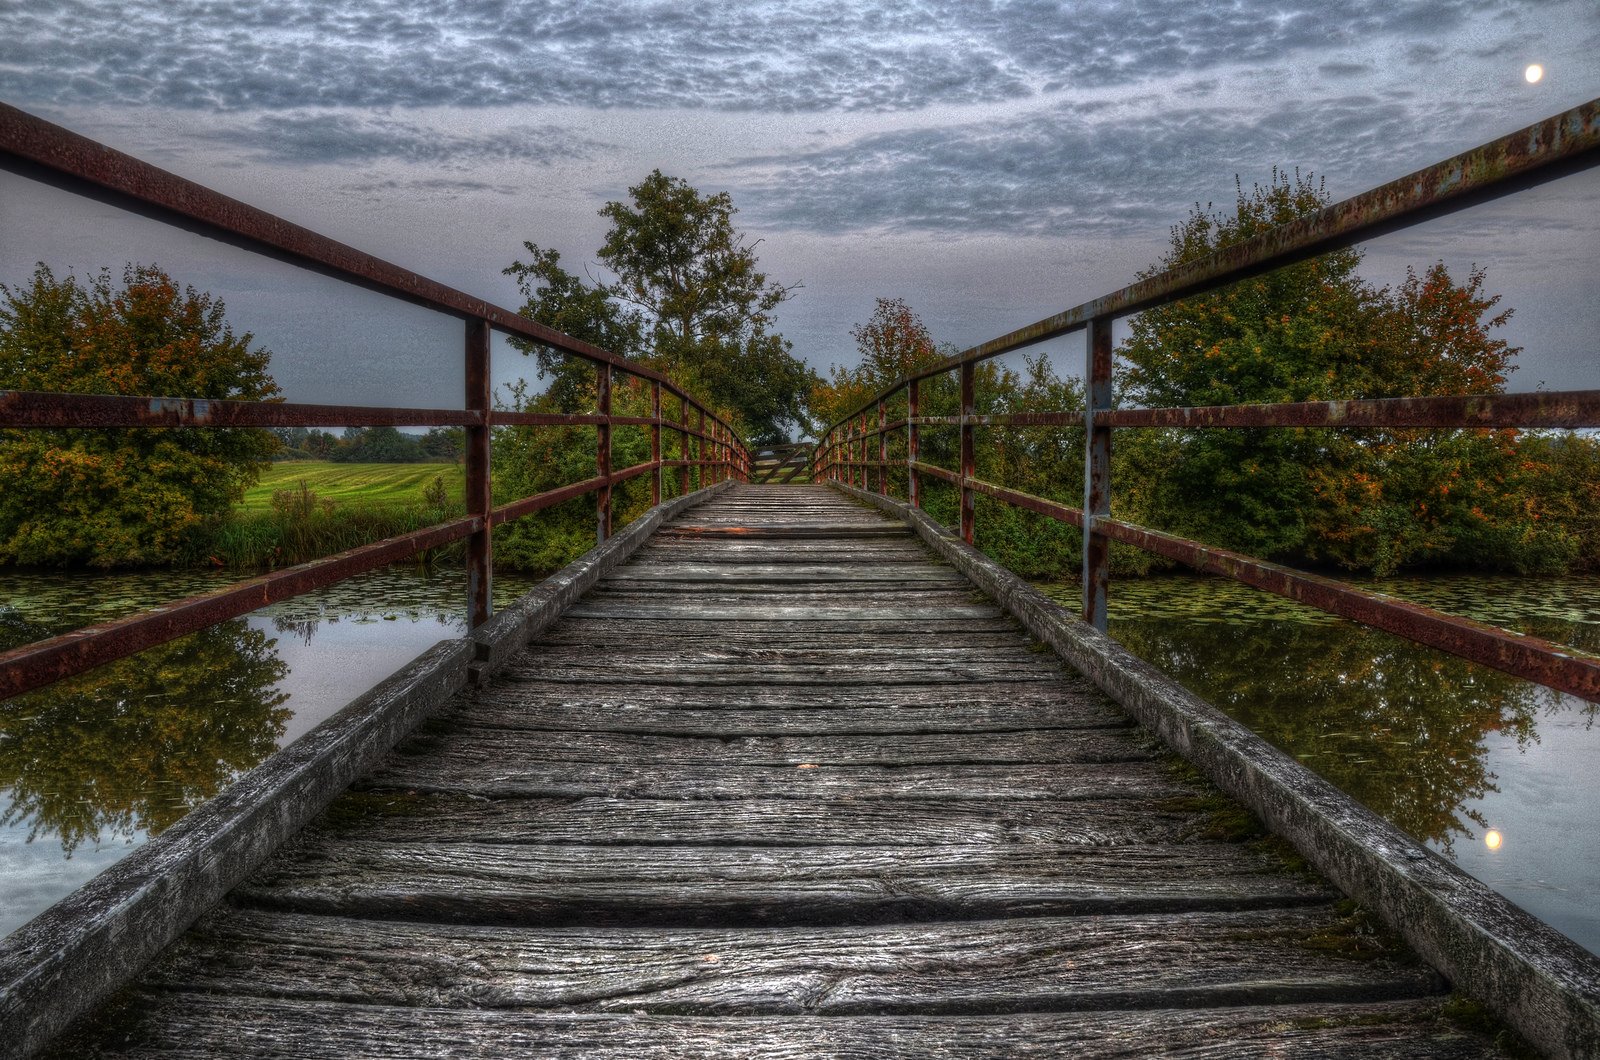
(1399, 727)
(128, 748)
(1471, 761)
(92, 767)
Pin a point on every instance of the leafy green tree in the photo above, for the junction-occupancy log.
(1047, 462)
(688, 298)
(1375, 499)
(377, 445)
(109, 498)
(444, 443)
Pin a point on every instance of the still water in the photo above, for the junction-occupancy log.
(1491, 771)
(92, 767)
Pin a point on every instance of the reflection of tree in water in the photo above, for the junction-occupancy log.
(134, 745)
(1396, 725)
(303, 627)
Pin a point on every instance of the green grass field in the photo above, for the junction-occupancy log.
(353, 484)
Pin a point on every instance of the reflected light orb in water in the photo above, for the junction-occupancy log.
(1492, 839)
(1534, 74)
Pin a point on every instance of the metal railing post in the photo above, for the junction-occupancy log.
(683, 446)
(700, 449)
(883, 449)
(913, 442)
(1096, 472)
(969, 409)
(655, 441)
(480, 546)
(602, 453)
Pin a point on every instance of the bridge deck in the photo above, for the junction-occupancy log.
(783, 785)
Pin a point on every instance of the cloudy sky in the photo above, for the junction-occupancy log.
(991, 162)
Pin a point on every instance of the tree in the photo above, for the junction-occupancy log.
(893, 343)
(1314, 331)
(688, 298)
(377, 445)
(111, 498)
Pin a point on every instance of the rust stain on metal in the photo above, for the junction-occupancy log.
(1547, 409)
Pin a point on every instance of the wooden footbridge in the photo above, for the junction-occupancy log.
(789, 770)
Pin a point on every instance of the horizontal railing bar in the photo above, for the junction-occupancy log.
(1550, 409)
(550, 498)
(1034, 503)
(27, 408)
(35, 665)
(1009, 419)
(1549, 664)
(938, 472)
(41, 409)
(131, 183)
(1562, 144)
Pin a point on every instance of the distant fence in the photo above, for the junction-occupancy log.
(709, 449)
(855, 449)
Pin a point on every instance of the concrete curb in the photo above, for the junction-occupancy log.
(1542, 983)
(75, 954)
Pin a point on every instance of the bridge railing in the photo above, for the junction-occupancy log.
(857, 444)
(709, 449)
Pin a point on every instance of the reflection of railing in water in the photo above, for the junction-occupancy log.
(855, 450)
(709, 450)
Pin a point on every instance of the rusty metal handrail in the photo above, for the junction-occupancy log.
(49, 153)
(1559, 145)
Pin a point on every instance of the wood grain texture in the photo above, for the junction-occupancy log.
(178, 1025)
(494, 746)
(390, 816)
(781, 786)
(1035, 964)
(585, 884)
(726, 716)
(507, 779)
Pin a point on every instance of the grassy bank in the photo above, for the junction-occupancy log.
(354, 484)
(301, 510)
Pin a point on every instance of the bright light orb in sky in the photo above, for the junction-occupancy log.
(1492, 840)
(1534, 73)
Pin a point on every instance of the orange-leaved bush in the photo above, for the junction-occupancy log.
(122, 497)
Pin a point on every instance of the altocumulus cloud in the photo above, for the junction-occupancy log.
(1096, 168)
(778, 55)
(311, 138)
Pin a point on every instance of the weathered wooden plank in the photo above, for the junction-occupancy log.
(821, 672)
(843, 596)
(763, 573)
(179, 1025)
(778, 532)
(502, 709)
(665, 884)
(807, 652)
(1138, 780)
(1037, 964)
(464, 745)
(404, 817)
(778, 589)
(863, 558)
(734, 611)
(924, 629)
